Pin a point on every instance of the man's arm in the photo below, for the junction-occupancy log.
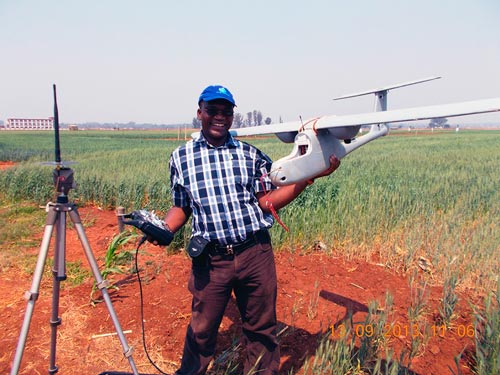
(176, 217)
(280, 197)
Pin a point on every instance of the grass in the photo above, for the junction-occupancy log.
(449, 301)
(115, 260)
(312, 307)
(360, 353)
(487, 335)
(397, 200)
(76, 274)
(18, 220)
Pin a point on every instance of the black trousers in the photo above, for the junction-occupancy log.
(252, 276)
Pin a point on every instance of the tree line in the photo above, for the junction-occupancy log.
(253, 118)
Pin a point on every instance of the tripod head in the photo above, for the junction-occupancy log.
(62, 176)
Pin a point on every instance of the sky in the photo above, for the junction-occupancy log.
(147, 61)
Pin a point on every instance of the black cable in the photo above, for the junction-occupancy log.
(143, 239)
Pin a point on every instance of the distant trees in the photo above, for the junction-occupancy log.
(257, 117)
(253, 118)
(439, 122)
(249, 119)
(238, 120)
(196, 123)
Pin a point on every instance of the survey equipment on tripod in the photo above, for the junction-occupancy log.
(151, 225)
(56, 219)
(63, 176)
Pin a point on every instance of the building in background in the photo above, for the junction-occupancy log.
(29, 123)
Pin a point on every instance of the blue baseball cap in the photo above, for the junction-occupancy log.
(216, 92)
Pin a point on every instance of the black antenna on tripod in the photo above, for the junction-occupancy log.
(63, 176)
(56, 127)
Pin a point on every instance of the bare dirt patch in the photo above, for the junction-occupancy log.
(83, 346)
(6, 164)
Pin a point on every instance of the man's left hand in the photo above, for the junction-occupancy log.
(334, 164)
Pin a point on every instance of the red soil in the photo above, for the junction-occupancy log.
(344, 287)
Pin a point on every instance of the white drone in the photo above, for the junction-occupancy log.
(318, 138)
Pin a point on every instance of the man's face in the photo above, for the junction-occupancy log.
(216, 118)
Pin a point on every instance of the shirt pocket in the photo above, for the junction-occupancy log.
(244, 173)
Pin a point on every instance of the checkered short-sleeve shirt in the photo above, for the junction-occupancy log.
(220, 184)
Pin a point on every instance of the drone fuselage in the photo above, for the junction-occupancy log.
(312, 150)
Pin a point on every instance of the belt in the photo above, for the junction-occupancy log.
(262, 236)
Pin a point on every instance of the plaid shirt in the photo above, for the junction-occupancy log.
(220, 184)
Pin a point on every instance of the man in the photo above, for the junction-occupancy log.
(223, 183)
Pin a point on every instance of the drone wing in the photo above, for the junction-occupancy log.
(347, 126)
(317, 139)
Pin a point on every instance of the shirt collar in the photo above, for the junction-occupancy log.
(230, 140)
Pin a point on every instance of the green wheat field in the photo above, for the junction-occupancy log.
(409, 195)
(411, 199)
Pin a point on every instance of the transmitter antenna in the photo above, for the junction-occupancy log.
(63, 176)
(56, 127)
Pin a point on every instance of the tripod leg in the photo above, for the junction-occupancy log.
(32, 294)
(58, 275)
(102, 285)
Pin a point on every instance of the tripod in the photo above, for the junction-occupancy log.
(56, 218)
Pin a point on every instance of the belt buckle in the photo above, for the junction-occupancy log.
(229, 249)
